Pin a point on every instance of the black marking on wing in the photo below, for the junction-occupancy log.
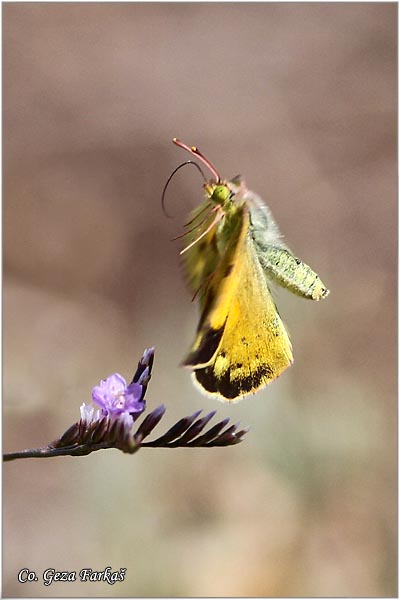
(232, 388)
(210, 340)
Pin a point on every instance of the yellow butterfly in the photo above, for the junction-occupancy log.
(234, 251)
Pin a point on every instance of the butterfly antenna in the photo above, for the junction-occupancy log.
(188, 162)
(196, 152)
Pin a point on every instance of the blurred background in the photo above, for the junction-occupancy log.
(301, 100)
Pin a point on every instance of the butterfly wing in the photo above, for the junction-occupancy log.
(242, 344)
(200, 260)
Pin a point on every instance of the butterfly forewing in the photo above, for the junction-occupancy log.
(201, 259)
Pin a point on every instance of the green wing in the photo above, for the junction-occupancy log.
(200, 261)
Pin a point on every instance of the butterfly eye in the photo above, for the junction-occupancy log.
(221, 194)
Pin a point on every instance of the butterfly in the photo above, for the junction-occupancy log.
(234, 252)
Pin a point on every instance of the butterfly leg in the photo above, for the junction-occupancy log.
(218, 217)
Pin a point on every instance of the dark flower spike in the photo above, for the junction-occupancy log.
(176, 430)
(150, 422)
(212, 433)
(229, 437)
(195, 429)
(112, 425)
(225, 437)
(143, 371)
(185, 426)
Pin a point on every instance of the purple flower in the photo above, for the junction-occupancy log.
(115, 397)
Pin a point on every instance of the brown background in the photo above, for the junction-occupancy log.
(301, 100)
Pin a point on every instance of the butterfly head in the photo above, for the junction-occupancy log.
(218, 193)
(224, 193)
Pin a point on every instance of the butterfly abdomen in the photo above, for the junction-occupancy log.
(292, 273)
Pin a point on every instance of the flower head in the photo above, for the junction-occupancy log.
(120, 405)
(115, 397)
